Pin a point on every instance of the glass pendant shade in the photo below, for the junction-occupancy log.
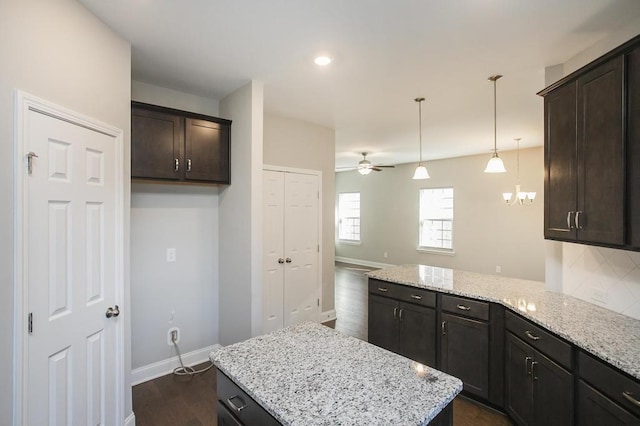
(421, 172)
(495, 165)
(506, 196)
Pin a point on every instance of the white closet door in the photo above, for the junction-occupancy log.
(273, 250)
(301, 200)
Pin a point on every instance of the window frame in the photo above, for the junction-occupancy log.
(341, 238)
(421, 224)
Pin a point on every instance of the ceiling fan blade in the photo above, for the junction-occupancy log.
(390, 167)
(376, 169)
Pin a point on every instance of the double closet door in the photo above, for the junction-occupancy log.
(291, 275)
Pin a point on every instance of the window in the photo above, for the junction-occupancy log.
(349, 216)
(436, 219)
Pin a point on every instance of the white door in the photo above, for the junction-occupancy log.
(301, 248)
(291, 276)
(72, 259)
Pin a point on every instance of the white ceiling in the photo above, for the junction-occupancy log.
(386, 53)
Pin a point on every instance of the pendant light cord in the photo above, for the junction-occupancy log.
(495, 119)
(518, 160)
(419, 101)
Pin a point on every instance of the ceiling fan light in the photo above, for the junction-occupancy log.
(495, 165)
(421, 172)
(364, 170)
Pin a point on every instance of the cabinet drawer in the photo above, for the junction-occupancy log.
(466, 307)
(404, 293)
(241, 405)
(620, 388)
(554, 347)
(383, 288)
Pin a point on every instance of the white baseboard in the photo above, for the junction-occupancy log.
(130, 420)
(363, 262)
(164, 367)
(328, 315)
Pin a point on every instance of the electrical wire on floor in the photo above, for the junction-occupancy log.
(186, 371)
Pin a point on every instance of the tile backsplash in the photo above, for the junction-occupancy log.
(605, 277)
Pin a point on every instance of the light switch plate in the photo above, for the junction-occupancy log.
(171, 255)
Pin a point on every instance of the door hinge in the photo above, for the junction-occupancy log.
(318, 301)
(30, 321)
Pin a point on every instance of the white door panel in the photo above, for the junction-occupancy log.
(71, 275)
(273, 242)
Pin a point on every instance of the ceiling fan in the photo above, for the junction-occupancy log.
(365, 166)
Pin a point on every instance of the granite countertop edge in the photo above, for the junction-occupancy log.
(583, 339)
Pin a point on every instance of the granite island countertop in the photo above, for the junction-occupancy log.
(309, 374)
(608, 335)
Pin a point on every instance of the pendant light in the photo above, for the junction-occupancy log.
(421, 170)
(495, 164)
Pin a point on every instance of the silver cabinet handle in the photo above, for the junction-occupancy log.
(444, 328)
(234, 406)
(527, 367)
(463, 307)
(416, 297)
(569, 224)
(288, 260)
(631, 399)
(400, 314)
(280, 260)
(395, 313)
(531, 336)
(382, 289)
(176, 165)
(533, 370)
(112, 312)
(189, 165)
(577, 219)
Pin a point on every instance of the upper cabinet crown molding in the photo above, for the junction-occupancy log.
(592, 149)
(173, 145)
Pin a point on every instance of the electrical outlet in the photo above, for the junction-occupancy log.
(498, 269)
(386, 254)
(599, 295)
(173, 335)
(171, 255)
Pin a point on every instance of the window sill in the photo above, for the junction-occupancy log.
(349, 242)
(443, 252)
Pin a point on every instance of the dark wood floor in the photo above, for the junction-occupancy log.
(191, 401)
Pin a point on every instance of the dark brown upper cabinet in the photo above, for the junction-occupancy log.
(173, 145)
(591, 152)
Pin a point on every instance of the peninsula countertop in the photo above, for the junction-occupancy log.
(610, 336)
(309, 374)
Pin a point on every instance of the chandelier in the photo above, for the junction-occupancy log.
(519, 197)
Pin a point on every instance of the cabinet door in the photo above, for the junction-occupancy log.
(156, 144)
(465, 352)
(595, 409)
(418, 333)
(519, 391)
(207, 151)
(633, 148)
(225, 418)
(560, 162)
(601, 162)
(552, 393)
(383, 322)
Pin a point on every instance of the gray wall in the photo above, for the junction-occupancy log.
(241, 218)
(487, 233)
(297, 144)
(183, 293)
(60, 52)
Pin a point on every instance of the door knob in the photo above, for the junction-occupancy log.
(288, 260)
(112, 312)
(280, 260)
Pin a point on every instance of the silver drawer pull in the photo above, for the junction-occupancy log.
(463, 308)
(628, 397)
(416, 297)
(383, 289)
(531, 336)
(234, 406)
(176, 165)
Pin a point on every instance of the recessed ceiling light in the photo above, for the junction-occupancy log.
(322, 60)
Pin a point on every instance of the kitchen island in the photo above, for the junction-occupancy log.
(309, 374)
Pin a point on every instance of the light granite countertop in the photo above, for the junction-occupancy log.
(610, 336)
(309, 374)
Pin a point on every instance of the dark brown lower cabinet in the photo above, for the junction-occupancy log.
(235, 407)
(464, 352)
(595, 409)
(538, 391)
(403, 328)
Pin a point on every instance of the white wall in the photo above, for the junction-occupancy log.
(487, 233)
(183, 293)
(297, 144)
(240, 212)
(607, 277)
(60, 52)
